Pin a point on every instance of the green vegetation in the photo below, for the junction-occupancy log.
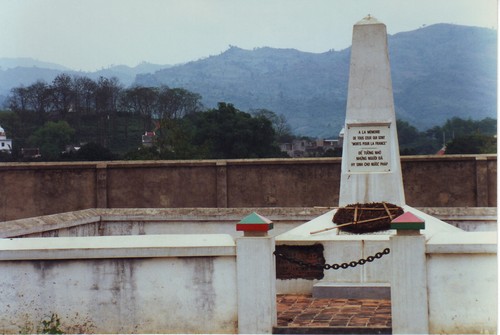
(106, 121)
(76, 118)
(460, 137)
(472, 144)
(51, 326)
(224, 132)
(52, 138)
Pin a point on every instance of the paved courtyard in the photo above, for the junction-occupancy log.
(308, 315)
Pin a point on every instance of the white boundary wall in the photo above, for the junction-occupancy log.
(119, 284)
(462, 283)
(188, 283)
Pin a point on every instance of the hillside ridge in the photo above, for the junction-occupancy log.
(438, 72)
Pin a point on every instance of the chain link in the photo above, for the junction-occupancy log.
(352, 264)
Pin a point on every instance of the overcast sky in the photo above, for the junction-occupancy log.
(92, 34)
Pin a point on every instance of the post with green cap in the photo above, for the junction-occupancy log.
(256, 275)
(409, 301)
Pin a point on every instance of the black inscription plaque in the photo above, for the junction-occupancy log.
(309, 254)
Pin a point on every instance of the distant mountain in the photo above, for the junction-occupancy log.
(124, 73)
(11, 63)
(14, 77)
(309, 89)
(438, 72)
(15, 72)
(443, 71)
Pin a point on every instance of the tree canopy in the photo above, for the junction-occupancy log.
(472, 144)
(219, 133)
(112, 119)
(52, 138)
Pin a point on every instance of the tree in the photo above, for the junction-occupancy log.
(230, 133)
(175, 140)
(52, 138)
(413, 142)
(63, 94)
(85, 89)
(472, 144)
(106, 95)
(91, 152)
(21, 101)
(467, 136)
(39, 99)
(18, 99)
(106, 102)
(174, 103)
(143, 153)
(458, 127)
(281, 127)
(141, 101)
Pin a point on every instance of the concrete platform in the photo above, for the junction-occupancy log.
(351, 290)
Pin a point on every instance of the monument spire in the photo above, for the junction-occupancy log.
(371, 167)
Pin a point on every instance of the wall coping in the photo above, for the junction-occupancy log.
(44, 223)
(218, 162)
(463, 243)
(129, 246)
(462, 213)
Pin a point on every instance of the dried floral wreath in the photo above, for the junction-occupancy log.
(366, 218)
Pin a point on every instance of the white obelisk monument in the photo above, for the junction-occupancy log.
(371, 168)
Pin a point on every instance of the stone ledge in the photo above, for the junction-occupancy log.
(462, 243)
(352, 290)
(136, 246)
(49, 222)
(214, 162)
(286, 215)
(40, 224)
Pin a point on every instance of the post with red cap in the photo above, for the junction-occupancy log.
(254, 225)
(256, 275)
(409, 300)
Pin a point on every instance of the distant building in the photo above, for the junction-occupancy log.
(312, 148)
(341, 137)
(30, 153)
(148, 138)
(70, 148)
(441, 151)
(5, 143)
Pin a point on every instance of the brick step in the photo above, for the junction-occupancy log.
(331, 290)
(332, 330)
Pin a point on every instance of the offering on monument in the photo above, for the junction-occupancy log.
(366, 218)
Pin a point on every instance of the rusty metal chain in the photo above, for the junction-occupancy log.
(352, 264)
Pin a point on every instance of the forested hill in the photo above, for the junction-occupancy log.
(438, 72)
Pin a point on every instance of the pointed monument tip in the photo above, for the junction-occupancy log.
(368, 20)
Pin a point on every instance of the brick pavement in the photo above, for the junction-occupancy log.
(357, 315)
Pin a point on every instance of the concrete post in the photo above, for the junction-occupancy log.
(256, 278)
(409, 283)
(101, 185)
(221, 167)
(482, 184)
